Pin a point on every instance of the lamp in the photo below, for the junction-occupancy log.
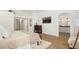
(77, 27)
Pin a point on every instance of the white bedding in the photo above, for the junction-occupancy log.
(16, 39)
(20, 40)
(18, 34)
(23, 39)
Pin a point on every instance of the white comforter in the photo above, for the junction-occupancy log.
(19, 39)
(15, 40)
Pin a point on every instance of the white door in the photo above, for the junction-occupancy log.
(25, 25)
(30, 25)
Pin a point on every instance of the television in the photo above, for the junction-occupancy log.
(46, 19)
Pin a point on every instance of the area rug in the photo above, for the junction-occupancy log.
(43, 45)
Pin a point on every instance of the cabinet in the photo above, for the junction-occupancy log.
(38, 29)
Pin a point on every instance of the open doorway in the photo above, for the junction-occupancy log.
(64, 25)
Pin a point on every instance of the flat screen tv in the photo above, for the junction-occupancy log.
(47, 20)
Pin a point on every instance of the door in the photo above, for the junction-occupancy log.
(25, 25)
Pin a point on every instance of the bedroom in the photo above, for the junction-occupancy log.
(24, 22)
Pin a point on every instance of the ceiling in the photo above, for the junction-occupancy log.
(33, 11)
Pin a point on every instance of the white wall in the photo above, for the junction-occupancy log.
(73, 27)
(49, 28)
(53, 28)
(7, 20)
(19, 13)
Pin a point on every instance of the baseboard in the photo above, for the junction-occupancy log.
(48, 35)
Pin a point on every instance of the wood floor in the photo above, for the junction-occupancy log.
(60, 42)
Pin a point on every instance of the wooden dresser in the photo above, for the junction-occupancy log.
(38, 29)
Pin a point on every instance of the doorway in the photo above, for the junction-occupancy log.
(64, 25)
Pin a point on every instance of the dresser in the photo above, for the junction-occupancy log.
(38, 29)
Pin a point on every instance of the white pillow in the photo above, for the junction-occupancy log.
(0, 36)
(3, 32)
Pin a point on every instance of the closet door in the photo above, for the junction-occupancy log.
(21, 24)
(16, 24)
(25, 25)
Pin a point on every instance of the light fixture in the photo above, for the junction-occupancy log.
(11, 11)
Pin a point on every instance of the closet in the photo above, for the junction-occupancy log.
(21, 24)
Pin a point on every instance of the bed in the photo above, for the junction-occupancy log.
(18, 40)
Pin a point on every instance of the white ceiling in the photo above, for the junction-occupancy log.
(33, 11)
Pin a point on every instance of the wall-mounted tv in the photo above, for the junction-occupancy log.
(46, 19)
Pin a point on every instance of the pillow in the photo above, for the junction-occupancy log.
(5, 35)
(0, 36)
(3, 32)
